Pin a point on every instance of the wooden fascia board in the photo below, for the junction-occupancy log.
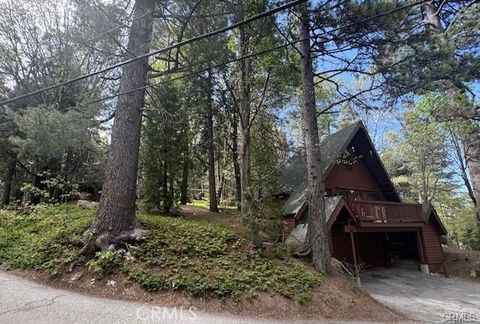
(432, 211)
(300, 211)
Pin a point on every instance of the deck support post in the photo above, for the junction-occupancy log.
(354, 252)
(423, 263)
(424, 268)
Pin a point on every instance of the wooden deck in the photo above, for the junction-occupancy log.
(384, 212)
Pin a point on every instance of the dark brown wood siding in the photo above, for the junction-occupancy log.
(370, 249)
(357, 177)
(341, 246)
(432, 247)
(288, 226)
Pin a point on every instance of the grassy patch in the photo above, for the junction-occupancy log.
(200, 203)
(201, 258)
(203, 203)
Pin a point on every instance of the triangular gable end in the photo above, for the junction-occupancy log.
(338, 208)
(359, 137)
(333, 207)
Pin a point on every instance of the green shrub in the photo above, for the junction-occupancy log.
(105, 262)
(46, 238)
(209, 259)
(147, 280)
(282, 251)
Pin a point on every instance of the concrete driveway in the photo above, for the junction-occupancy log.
(424, 298)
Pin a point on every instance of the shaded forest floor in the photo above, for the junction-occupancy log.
(198, 259)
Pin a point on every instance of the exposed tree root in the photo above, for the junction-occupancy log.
(305, 249)
(107, 241)
(302, 252)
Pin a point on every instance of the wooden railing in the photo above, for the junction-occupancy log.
(386, 212)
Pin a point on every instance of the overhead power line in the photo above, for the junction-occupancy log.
(361, 21)
(197, 71)
(162, 50)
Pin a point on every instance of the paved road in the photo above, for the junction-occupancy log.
(424, 298)
(25, 302)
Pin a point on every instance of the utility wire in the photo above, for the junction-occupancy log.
(162, 50)
(243, 58)
(257, 53)
(195, 72)
(227, 62)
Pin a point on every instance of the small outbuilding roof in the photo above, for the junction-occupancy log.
(296, 200)
(299, 234)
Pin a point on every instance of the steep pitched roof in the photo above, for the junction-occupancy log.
(293, 177)
(334, 144)
(295, 201)
(294, 174)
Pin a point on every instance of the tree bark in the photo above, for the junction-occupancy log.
(317, 239)
(472, 158)
(236, 164)
(221, 172)
(212, 191)
(474, 169)
(184, 183)
(165, 194)
(431, 17)
(471, 142)
(459, 148)
(8, 182)
(245, 142)
(116, 213)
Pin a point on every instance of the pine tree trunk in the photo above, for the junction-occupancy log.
(472, 150)
(7, 189)
(116, 213)
(236, 164)
(317, 237)
(165, 200)
(37, 183)
(473, 165)
(221, 173)
(245, 142)
(431, 18)
(212, 191)
(184, 183)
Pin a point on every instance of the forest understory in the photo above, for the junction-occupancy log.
(197, 258)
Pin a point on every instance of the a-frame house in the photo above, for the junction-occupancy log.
(366, 219)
